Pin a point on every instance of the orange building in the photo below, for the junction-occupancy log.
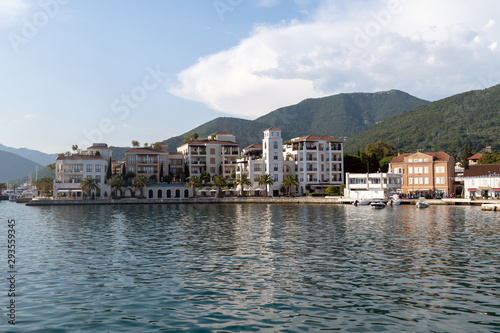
(425, 173)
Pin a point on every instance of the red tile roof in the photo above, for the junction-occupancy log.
(272, 129)
(255, 145)
(204, 142)
(315, 138)
(146, 151)
(475, 156)
(80, 157)
(439, 156)
(223, 133)
(482, 170)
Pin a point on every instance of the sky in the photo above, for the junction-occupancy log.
(78, 72)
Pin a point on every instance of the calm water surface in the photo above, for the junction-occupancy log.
(253, 268)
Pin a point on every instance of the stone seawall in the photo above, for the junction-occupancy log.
(297, 200)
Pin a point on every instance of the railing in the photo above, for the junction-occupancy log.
(312, 159)
(73, 171)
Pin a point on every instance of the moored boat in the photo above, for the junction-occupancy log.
(422, 203)
(377, 204)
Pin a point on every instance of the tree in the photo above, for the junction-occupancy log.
(213, 136)
(109, 173)
(116, 182)
(74, 148)
(3, 186)
(140, 181)
(266, 180)
(45, 185)
(189, 137)
(89, 184)
(135, 143)
(332, 190)
(194, 182)
(146, 145)
(243, 181)
(290, 181)
(379, 150)
(160, 173)
(156, 145)
(52, 167)
(465, 156)
(219, 181)
(205, 176)
(489, 158)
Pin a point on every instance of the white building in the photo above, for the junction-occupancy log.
(481, 181)
(71, 170)
(318, 162)
(372, 185)
(272, 150)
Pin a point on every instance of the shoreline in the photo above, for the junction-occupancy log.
(239, 200)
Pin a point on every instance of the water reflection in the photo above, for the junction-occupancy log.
(258, 268)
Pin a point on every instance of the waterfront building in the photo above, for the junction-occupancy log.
(272, 150)
(481, 181)
(216, 155)
(71, 170)
(148, 161)
(372, 185)
(425, 173)
(317, 162)
(252, 166)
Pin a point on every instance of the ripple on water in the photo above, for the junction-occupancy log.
(251, 268)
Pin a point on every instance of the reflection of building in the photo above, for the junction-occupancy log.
(71, 170)
(215, 156)
(482, 180)
(425, 173)
(372, 186)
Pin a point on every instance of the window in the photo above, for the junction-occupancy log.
(440, 169)
(131, 160)
(443, 180)
(212, 151)
(98, 178)
(410, 170)
(98, 168)
(410, 180)
(163, 160)
(426, 170)
(256, 178)
(89, 167)
(257, 167)
(275, 145)
(410, 160)
(426, 180)
(275, 156)
(275, 167)
(421, 180)
(275, 178)
(131, 169)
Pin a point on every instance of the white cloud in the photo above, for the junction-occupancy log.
(11, 11)
(431, 50)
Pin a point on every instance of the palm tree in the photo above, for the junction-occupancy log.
(89, 184)
(290, 181)
(140, 181)
(205, 176)
(193, 181)
(243, 181)
(219, 181)
(266, 180)
(116, 182)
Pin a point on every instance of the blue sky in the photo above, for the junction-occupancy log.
(75, 72)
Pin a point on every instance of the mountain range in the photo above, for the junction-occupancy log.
(471, 118)
(394, 117)
(13, 166)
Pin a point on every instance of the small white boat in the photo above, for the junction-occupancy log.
(422, 203)
(377, 204)
(361, 203)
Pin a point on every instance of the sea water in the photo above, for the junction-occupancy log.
(250, 268)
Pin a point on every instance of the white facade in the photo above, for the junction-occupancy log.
(318, 162)
(272, 150)
(71, 170)
(372, 186)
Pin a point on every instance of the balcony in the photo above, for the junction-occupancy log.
(312, 169)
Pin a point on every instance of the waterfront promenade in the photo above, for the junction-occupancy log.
(253, 200)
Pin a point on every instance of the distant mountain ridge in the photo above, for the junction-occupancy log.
(32, 155)
(13, 166)
(341, 116)
(471, 118)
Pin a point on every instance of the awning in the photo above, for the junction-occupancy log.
(70, 190)
(472, 189)
(484, 188)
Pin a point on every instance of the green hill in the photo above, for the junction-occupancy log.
(340, 116)
(471, 118)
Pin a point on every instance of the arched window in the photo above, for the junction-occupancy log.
(160, 194)
(177, 193)
(150, 194)
(186, 193)
(169, 194)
